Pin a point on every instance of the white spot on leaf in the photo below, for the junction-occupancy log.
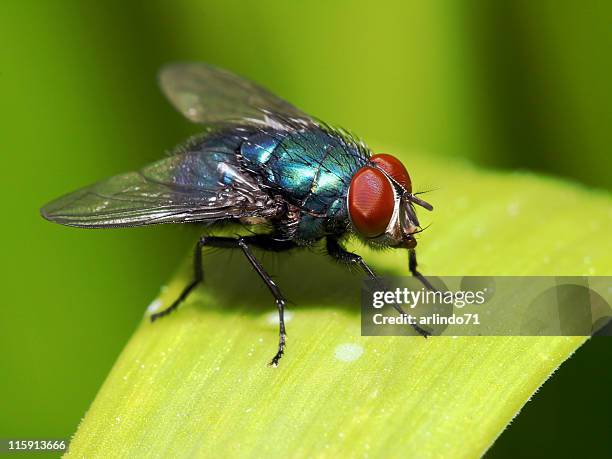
(348, 352)
(155, 306)
(513, 209)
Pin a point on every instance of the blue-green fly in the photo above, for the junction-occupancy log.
(263, 163)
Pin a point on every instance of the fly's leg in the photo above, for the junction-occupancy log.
(262, 241)
(412, 266)
(277, 246)
(268, 243)
(340, 254)
(198, 272)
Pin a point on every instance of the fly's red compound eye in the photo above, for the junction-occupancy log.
(394, 167)
(371, 201)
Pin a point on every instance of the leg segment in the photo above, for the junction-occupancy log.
(198, 273)
(261, 241)
(276, 293)
(412, 265)
(340, 254)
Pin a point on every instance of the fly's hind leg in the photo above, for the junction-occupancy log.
(340, 254)
(198, 272)
(262, 241)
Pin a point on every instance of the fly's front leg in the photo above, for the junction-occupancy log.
(412, 266)
(340, 254)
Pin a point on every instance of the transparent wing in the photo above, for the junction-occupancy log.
(208, 95)
(192, 187)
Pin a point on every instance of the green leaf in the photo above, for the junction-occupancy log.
(196, 383)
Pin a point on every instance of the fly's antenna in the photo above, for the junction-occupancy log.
(420, 230)
(426, 191)
(413, 198)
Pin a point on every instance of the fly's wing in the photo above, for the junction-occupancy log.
(191, 187)
(202, 186)
(208, 95)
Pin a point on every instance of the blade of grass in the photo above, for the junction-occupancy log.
(197, 384)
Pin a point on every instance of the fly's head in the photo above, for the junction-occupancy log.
(381, 203)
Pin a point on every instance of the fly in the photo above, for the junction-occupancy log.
(261, 162)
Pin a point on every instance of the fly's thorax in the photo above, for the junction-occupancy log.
(303, 163)
(306, 227)
(312, 170)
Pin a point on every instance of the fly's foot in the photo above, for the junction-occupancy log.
(274, 362)
(165, 312)
(159, 315)
(281, 350)
(421, 331)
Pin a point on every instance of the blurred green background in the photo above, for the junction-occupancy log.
(508, 85)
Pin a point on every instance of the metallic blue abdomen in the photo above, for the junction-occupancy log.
(312, 169)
